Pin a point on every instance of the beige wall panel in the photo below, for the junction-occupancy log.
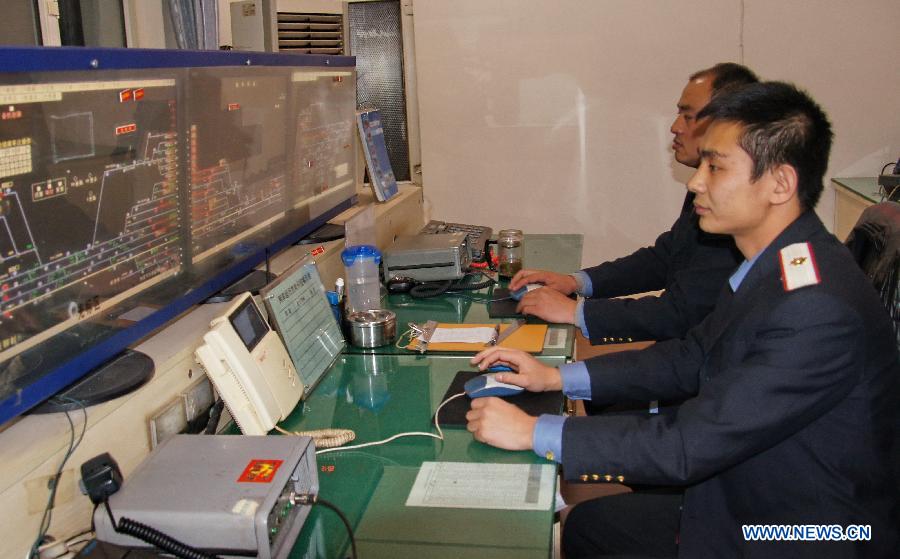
(845, 55)
(554, 116)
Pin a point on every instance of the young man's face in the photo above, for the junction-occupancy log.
(726, 201)
(687, 130)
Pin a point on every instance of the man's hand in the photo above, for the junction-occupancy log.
(532, 375)
(548, 305)
(563, 283)
(501, 424)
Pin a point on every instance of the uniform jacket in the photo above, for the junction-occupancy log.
(792, 402)
(692, 266)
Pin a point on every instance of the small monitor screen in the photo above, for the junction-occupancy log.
(249, 324)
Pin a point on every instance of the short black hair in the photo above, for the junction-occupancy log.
(726, 75)
(781, 125)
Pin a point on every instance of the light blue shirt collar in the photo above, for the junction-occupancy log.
(738, 276)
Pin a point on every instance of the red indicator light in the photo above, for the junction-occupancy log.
(126, 129)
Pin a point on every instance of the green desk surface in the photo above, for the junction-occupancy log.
(560, 253)
(378, 396)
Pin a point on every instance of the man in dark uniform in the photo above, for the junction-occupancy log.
(690, 265)
(791, 382)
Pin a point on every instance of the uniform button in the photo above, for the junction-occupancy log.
(605, 339)
(595, 477)
(550, 456)
(630, 340)
(620, 479)
(607, 477)
(584, 477)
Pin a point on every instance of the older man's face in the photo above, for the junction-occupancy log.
(686, 129)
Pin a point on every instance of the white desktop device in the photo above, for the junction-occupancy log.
(250, 368)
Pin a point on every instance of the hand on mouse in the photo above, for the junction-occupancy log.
(563, 283)
(501, 424)
(533, 375)
(548, 305)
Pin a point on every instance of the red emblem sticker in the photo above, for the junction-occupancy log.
(126, 95)
(234, 106)
(318, 250)
(260, 471)
(138, 94)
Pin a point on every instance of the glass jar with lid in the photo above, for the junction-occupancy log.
(511, 251)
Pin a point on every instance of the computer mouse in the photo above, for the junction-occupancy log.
(400, 285)
(519, 293)
(487, 385)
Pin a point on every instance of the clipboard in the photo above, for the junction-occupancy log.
(528, 338)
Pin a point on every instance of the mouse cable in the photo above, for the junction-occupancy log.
(323, 438)
(437, 425)
(315, 500)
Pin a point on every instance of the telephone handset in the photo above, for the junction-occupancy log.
(250, 368)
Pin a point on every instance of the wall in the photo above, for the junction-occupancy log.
(144, 21)
(845, 54)
(554, 116)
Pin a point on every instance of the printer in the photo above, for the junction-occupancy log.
(438, 257)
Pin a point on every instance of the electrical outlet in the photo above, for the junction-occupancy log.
(198, 398)
(170, 421)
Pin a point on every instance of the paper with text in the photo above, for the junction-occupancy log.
(471, 485)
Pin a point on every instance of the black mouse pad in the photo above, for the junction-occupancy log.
(533, 403)
(502, 305)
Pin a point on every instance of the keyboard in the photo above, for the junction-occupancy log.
(478, 235)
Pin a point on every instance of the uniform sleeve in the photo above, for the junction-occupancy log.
(779, 378)
(644, 270)
(685, 302)
(691, 266)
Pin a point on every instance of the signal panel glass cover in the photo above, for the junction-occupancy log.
(128, 195)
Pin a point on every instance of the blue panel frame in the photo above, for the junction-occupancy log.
(51, 59)
(48, 59)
